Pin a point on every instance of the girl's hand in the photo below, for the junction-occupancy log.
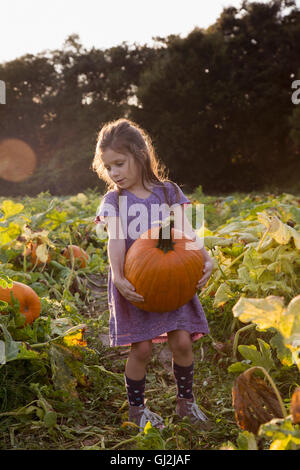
(208, 267)
(127, 289)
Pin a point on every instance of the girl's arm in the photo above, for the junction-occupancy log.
(115, 247)
(116, 254)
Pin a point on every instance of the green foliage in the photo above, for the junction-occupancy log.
(270, 313)
(59, 391)
(256, 252)
(283, 353)
(245, 441)
(150, 439)
(253, 357)
(284, 435)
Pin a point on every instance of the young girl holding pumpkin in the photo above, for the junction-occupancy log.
(125, 159)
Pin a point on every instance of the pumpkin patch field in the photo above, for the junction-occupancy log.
(62, 386)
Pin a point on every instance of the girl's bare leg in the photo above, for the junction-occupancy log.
(180, 344)
(139, 356)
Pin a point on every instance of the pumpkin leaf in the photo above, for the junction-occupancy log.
(54, 218)
(279, 231)
(266, 313)
(223, 294)
(11, 346)
(59, 326)
(11, 208)
(262, 358)
(246, 441)
(50, 419)
(9, 233)
(296, 237)
(270, 313)
(2, 352)
(79, 200)
(290, 328)
(282, 433)
(236, 226)
(5, 281)
(234, 251)
(26, 353)
(243, 274)
(290, 324)
(266, 355)
(283, 353)
(295, 213)
(212, 241)
(253, 262)
(246, 237)
(238, 367)
(62, 376)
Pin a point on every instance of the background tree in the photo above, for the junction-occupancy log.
(61, 101)
(216, 103)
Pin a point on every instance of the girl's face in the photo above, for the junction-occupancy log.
(122, 169)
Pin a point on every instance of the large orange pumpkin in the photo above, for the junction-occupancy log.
(78, 253)
(163, 270)
(30, 304)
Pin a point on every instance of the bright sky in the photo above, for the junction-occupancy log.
(34, 26)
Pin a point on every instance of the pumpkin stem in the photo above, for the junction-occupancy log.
(165, 242)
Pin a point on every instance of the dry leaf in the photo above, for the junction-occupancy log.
(254, 401)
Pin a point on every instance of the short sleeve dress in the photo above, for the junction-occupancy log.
(127, 323)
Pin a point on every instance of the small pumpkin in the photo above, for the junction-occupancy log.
(162, 270)
(78, 253)
(30, 304)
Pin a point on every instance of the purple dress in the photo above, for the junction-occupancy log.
(129, 324)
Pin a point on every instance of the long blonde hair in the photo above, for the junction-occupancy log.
(126, 136)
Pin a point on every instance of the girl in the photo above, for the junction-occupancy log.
(125, 159)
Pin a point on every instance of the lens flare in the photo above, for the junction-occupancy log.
(17, 160)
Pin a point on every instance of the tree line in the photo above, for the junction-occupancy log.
(216, 103)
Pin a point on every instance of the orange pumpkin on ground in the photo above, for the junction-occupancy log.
(163, 270)
(78, 253)
(30, 304)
